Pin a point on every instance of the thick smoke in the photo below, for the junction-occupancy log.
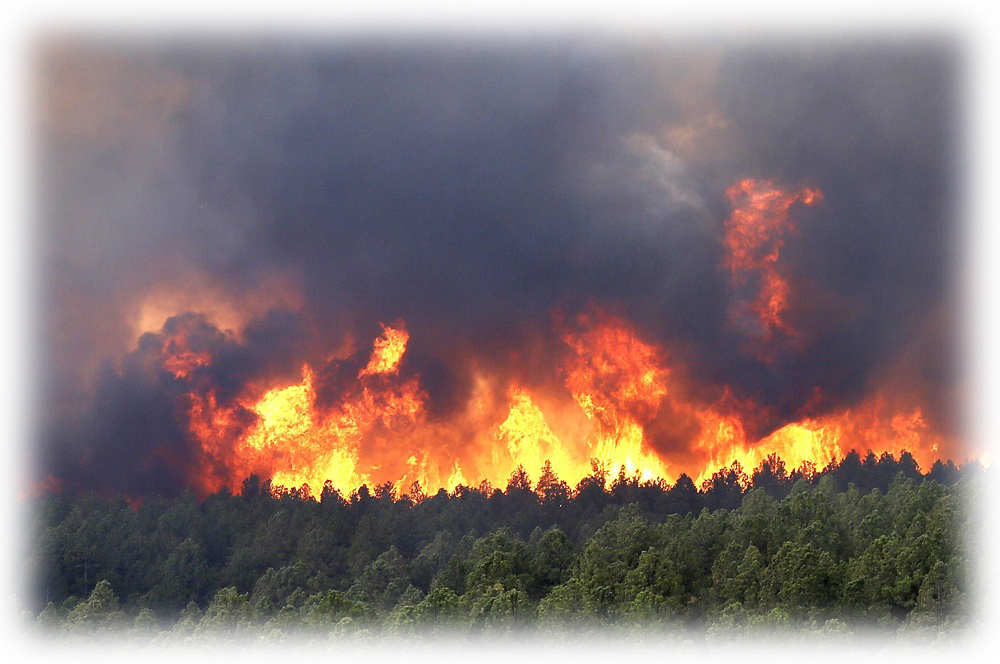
(479, 193)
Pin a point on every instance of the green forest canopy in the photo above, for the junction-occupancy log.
(865, 543)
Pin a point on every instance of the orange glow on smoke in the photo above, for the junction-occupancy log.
(179, 358)
(755, 235)
(228, 310)
(50, 484)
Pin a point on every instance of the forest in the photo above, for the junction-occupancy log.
(866, 545)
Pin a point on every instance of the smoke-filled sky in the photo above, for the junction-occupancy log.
(485, 194)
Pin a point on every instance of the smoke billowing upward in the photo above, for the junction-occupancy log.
(229, 229)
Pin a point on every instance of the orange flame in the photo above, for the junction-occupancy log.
(991, 453)
(618, 381)
(388, 352)
(293, 442)
(754, 238)
(617, 384)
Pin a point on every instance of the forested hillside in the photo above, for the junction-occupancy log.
(864, 543)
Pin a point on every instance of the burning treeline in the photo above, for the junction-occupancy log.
(614, 398)
(618, 386)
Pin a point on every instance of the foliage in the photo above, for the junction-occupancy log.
(866, 541)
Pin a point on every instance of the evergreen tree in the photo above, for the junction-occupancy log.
(93, 628)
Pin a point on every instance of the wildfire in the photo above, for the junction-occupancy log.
(618, 381)
(295, 443)
(613, 396)
(526, 438)
(617, 385)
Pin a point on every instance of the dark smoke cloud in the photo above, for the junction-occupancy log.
(472, 191)
(135, 439)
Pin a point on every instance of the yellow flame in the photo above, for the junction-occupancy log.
(618, 385)
(526, 438)
(388, 351)
(306, 449)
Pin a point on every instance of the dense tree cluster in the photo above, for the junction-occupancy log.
(867, 542)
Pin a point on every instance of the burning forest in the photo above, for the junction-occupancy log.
(499, 331)
(378, 265)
